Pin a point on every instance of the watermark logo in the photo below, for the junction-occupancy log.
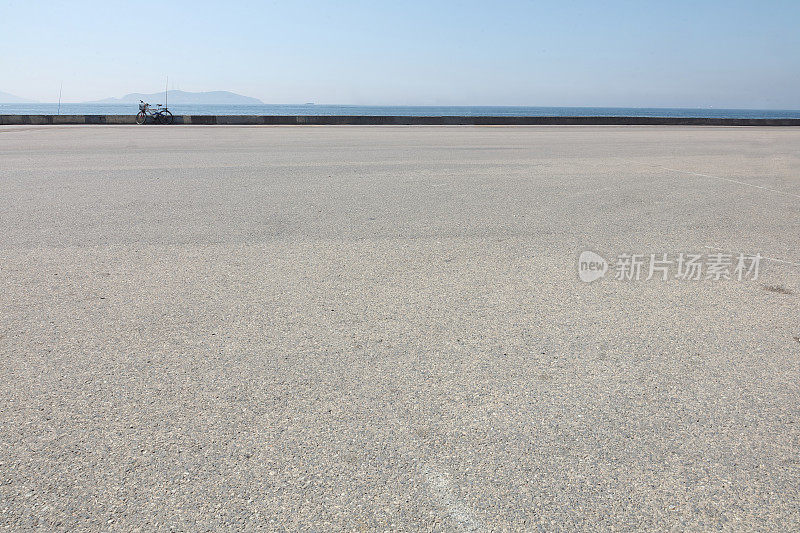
(591, 266)
(663, 267)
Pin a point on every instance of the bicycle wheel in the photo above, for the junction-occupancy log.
(166, 117)
(141, 118)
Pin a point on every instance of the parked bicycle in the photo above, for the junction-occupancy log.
(159, 114)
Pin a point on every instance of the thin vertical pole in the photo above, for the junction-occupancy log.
(59, 98)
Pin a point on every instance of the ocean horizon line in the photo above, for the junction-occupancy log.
(317, 104)
(400, 110)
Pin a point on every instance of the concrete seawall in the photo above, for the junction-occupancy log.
(358, 120)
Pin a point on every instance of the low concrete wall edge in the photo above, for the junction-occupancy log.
(398, 120)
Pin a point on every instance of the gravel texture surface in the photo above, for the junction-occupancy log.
(383, 328)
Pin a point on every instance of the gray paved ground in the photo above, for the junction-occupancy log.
(210, 328)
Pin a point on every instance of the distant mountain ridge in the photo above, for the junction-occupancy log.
(6, 98)
(183, 97)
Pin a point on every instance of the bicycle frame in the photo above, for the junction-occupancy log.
(159, 114)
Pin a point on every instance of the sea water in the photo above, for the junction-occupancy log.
(311, 109)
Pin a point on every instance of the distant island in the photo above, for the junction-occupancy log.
(184, 97)
(6, 98)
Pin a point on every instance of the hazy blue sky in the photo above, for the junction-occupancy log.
(722, 53)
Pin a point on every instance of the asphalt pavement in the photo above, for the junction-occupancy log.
(384, 328)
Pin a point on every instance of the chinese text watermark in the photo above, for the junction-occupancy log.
(664, 266)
